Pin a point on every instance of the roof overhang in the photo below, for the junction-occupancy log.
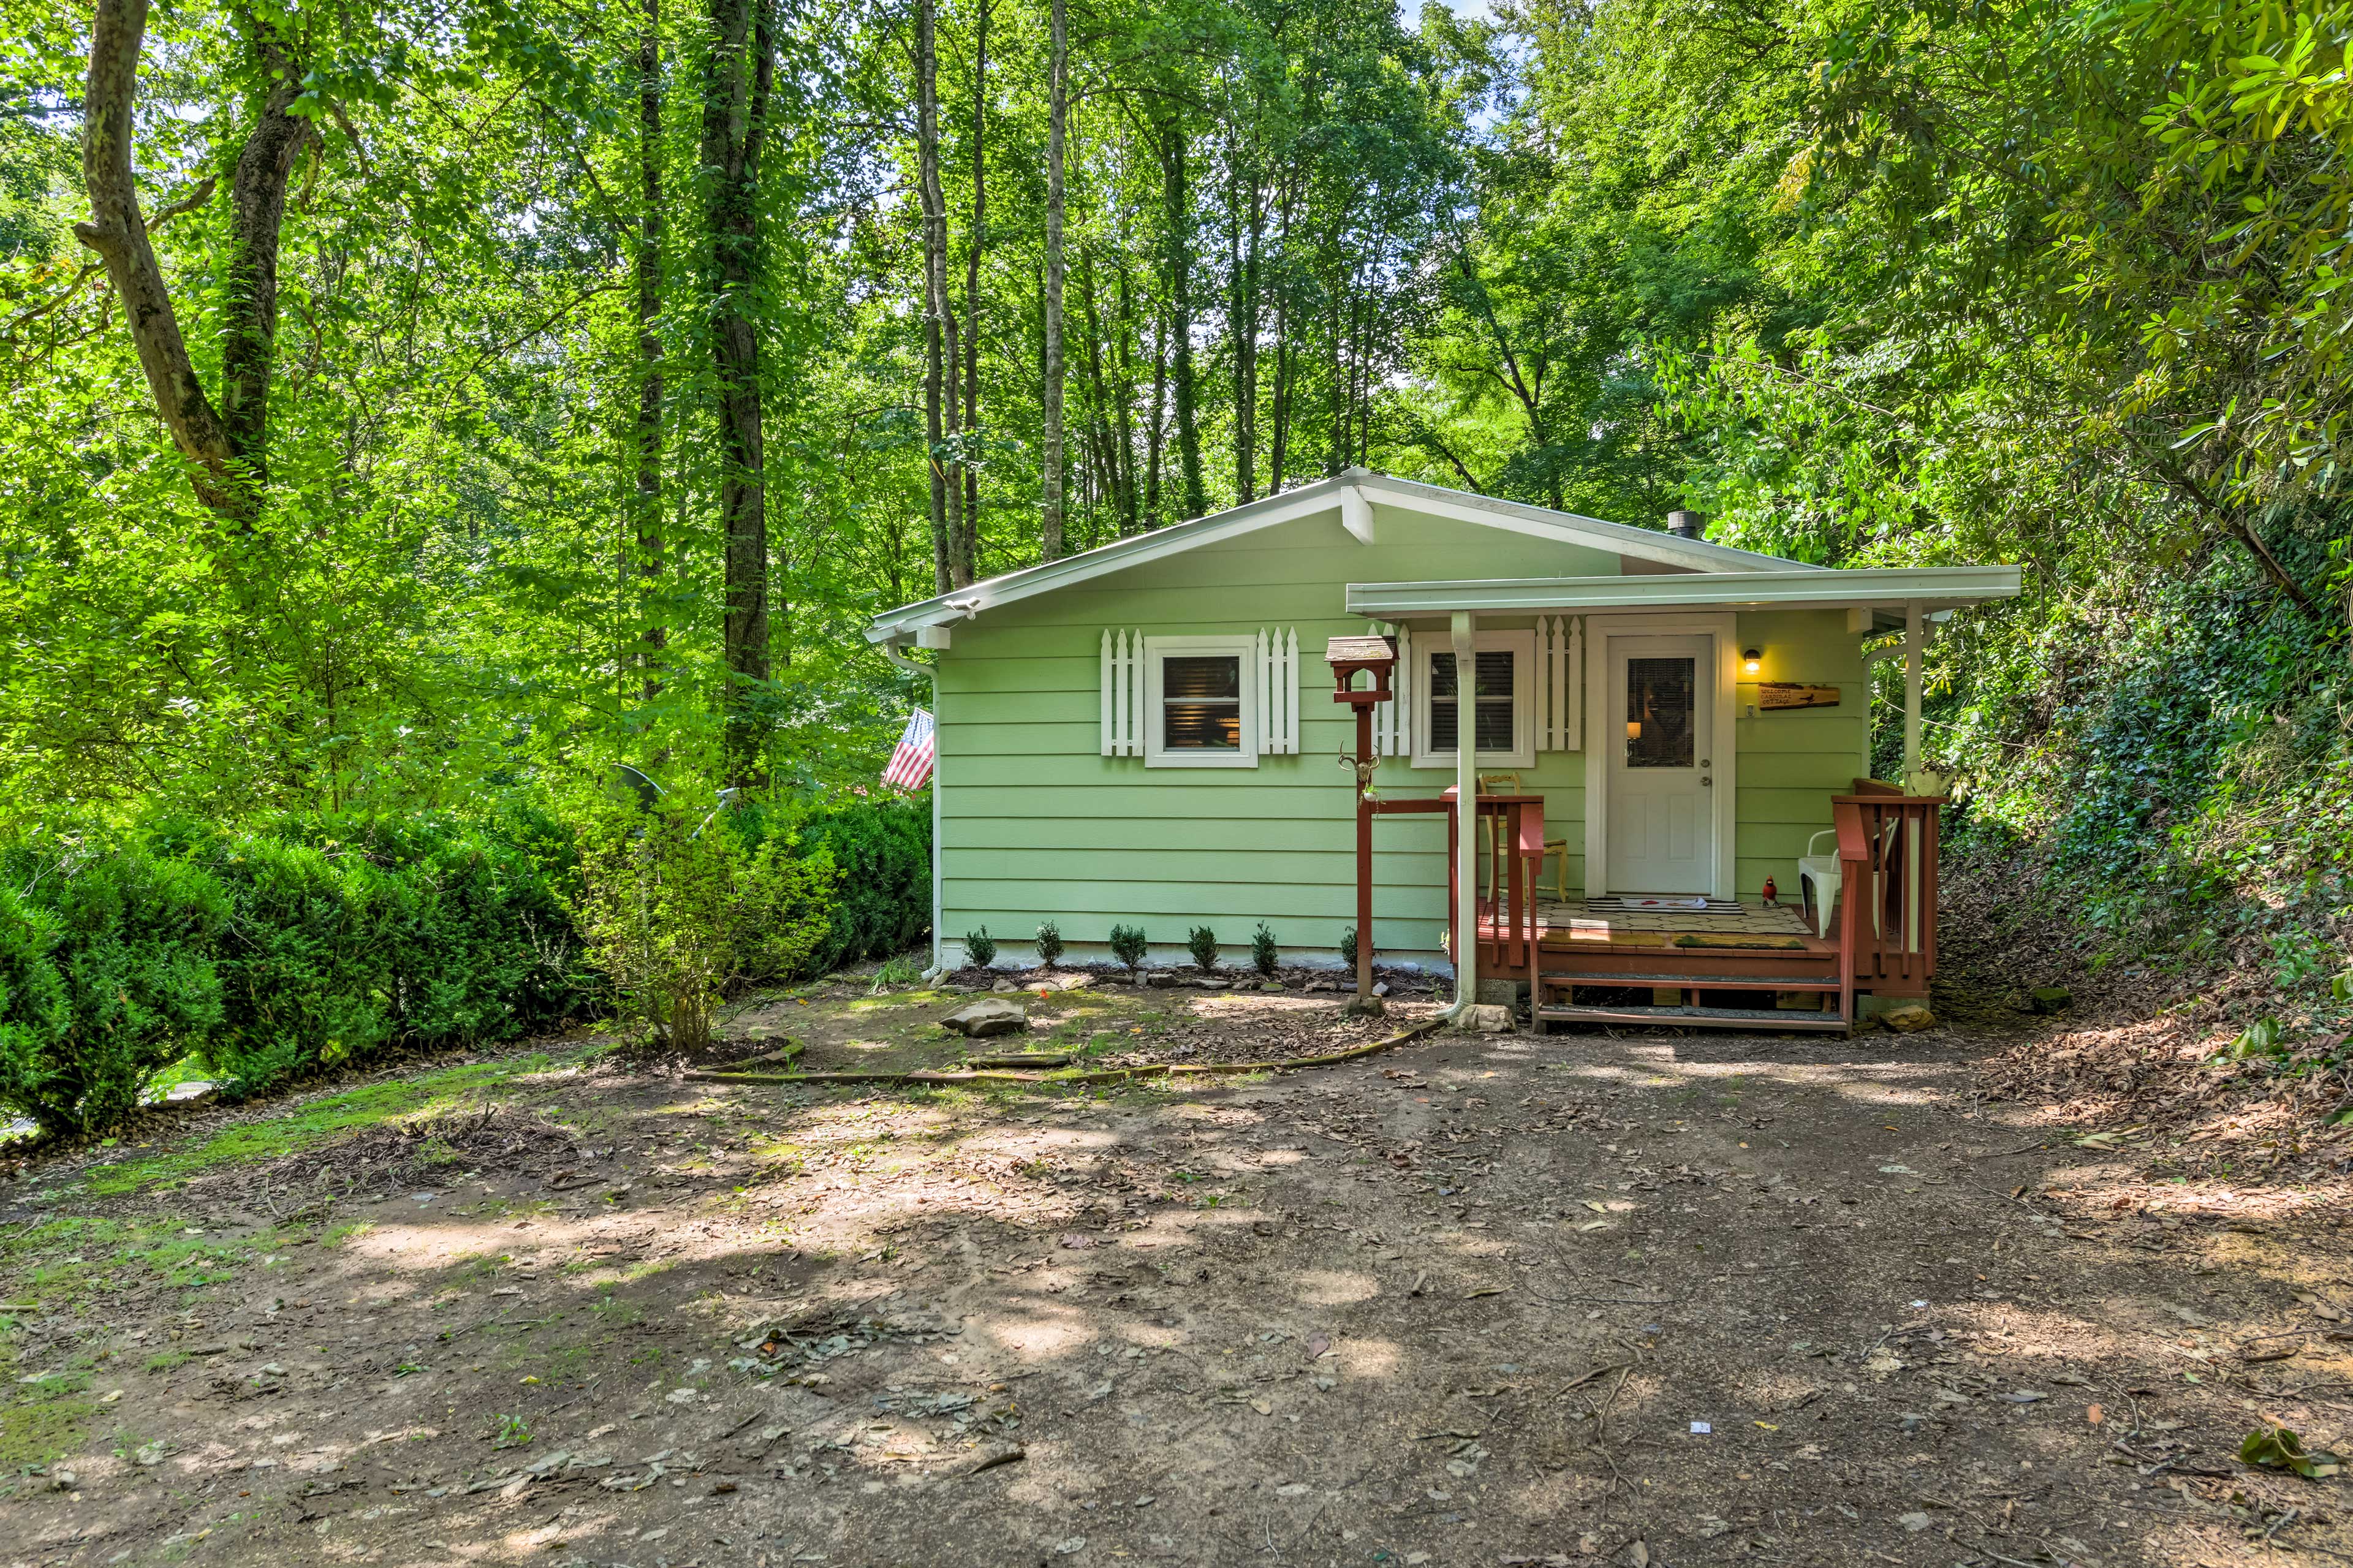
(1352, 495)
(1932, 588)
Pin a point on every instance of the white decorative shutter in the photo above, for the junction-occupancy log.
(1286, 688)
(1105, 687)
(1405, 684)
(1261, 676)
(1560, 684)
(1122, 694)
(1275, 670)
(1393, 720)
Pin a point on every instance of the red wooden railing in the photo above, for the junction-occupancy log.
(1887, 866)
(1507, 909)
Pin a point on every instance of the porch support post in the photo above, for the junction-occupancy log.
(1466, 809)
(1916, 637)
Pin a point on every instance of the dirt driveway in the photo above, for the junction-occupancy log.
(1492, 1299)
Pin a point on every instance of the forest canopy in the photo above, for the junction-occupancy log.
(453, 398)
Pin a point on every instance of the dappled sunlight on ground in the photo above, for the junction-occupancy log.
(1459, 1303)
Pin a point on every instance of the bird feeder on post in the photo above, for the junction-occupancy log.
(1375, 657)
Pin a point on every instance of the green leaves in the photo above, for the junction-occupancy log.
(2261, 1038)
(2277, 1448)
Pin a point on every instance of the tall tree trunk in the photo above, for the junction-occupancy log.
(1050, 527)
(226, 444)
(935, 293)
(741, 74)
(1131, 500)
(969, 551)
(652, 635)
(1285, 360)
(1102, 400)
(1155, 441)
(1277, 448)
(1173, 155)
(1341, 376)
(256, 214)
(1245, 317)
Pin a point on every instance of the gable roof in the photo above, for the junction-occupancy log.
(1308, 500)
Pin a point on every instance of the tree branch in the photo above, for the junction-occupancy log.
(31, 313)
(119, 235)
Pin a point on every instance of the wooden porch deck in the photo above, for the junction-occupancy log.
(1759, 969)
(1747, 967)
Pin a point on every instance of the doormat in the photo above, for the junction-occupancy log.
(1650, 904)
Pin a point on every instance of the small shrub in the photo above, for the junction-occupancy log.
(1050, 943)
(1348, 947)
(1265, 953)
(899, 971)
(1127, 945)
(980, 948)
(1203, 943)
(677, 908)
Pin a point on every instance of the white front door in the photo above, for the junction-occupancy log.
(1661, 812)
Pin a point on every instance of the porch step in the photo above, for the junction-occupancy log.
(1693, 1017)
(1553, 978)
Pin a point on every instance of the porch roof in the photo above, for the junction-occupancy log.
(1889, 590)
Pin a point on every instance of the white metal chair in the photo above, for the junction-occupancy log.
(1821, 879)
(1818, 879)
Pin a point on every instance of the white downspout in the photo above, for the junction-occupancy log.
(930, 672)
(1466, 814)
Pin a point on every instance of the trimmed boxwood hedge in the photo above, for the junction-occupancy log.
(275, 951)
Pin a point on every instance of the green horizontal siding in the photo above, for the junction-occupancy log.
(1792, 761)
(1087, 910)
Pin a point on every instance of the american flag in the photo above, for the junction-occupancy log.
(911, 763)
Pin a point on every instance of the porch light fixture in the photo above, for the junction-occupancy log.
(1752, 660)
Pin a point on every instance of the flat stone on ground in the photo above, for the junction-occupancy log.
(986, 1018)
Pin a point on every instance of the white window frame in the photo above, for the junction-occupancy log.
(1522, 647)
(1245, 649)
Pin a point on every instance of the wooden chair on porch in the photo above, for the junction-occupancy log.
(1554, 850)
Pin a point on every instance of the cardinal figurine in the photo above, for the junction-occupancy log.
(1772, 897)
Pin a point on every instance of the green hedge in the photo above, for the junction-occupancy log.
(273, 951)
(105, 977)
(270, 953)
(882, 855)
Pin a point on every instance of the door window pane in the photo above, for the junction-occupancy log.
(1661, 696)
(1201, 702)
(1492, 690)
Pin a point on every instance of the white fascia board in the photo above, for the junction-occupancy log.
(1570, 527)
(1936, 587)
(1117, 556)
(1694, 556)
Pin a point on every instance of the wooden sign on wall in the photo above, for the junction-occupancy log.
(1785, 694)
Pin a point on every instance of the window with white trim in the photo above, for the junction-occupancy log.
(1201, 702)
(1503, 701)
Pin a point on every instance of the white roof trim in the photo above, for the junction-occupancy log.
(1324, 496)
(1933, 587)
(1571, 528)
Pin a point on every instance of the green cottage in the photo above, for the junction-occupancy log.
(1144, 734)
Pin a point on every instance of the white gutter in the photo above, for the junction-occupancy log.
(930, 672)
(1896, 588)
